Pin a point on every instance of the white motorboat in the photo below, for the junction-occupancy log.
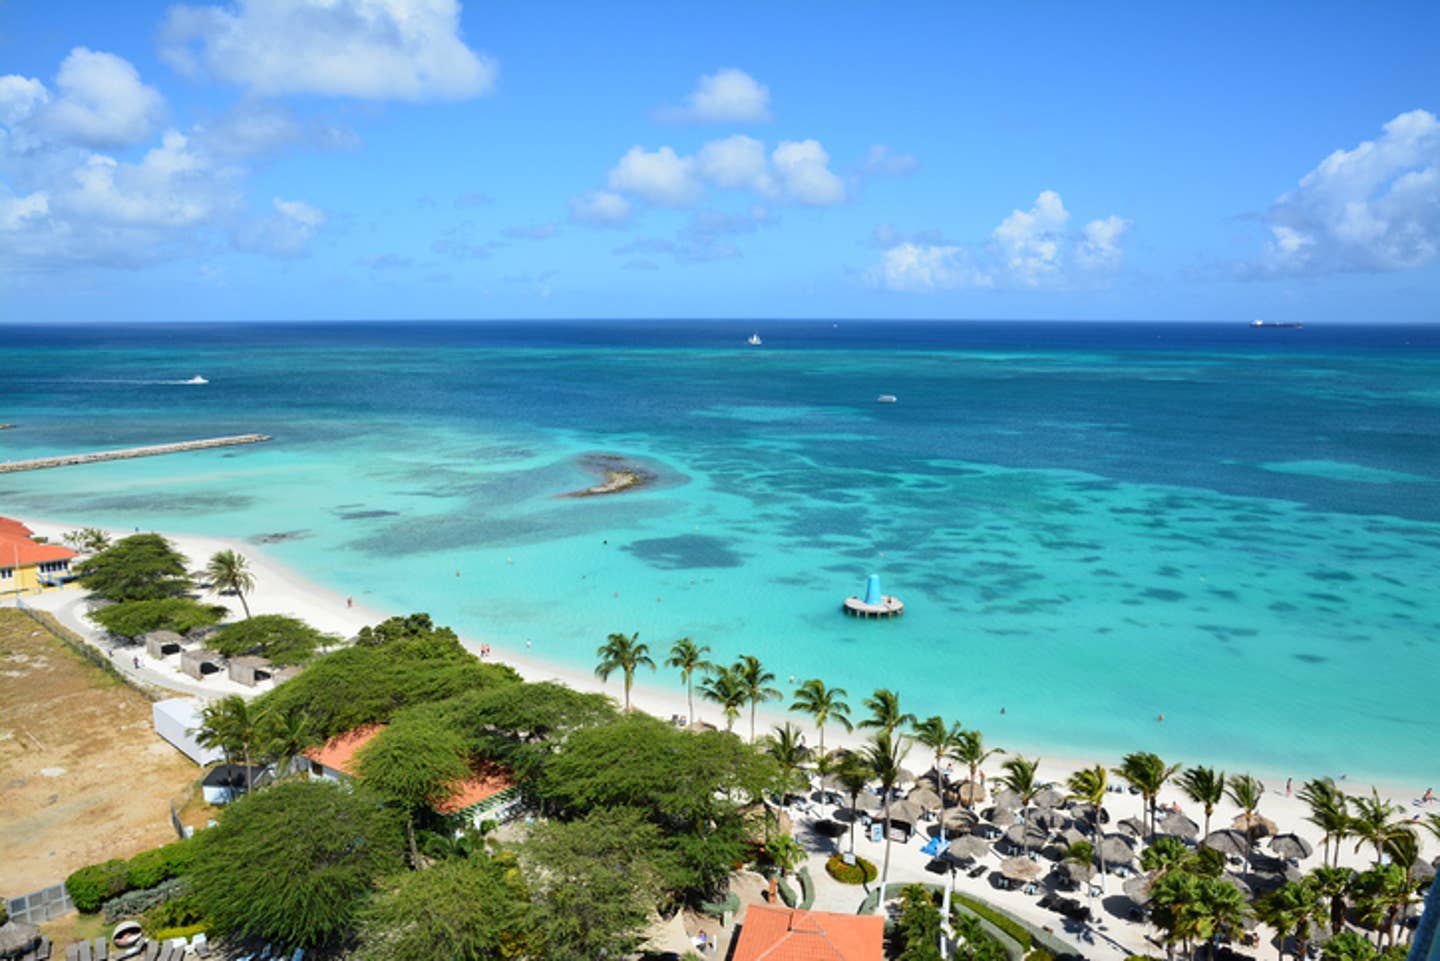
(197, 379)
(886, 399)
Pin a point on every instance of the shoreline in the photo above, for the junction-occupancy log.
(279, 590)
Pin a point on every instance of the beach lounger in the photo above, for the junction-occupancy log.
(42, 953)
(299, 955)
(200, 944)
(85, 953)
(152, 950)
(72, 951)
(102, 949)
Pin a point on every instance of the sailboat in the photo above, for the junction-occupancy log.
(754, 340)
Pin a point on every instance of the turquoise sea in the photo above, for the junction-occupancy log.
(1090, 524)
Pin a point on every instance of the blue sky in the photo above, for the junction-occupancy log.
(337, 159)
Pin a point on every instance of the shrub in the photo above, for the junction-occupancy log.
(718, 909)
(132, 903)
(93, 885)
(1001, 920)
(807, 889)
(861, 872)
(183, 911)
(187, 932)
(787, 893)
(871, 902)
(1039, 954)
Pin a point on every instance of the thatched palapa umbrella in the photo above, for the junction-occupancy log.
(905, 811)
(1179, 826)
(967, 848)
(1137, 889)
(1228, 841)
(1290, 845)
(1256, 825)
(1006, 798)
(1070, 836)
(1049, 820)
(868, 802)
(971, 792)
(1000, 817)
(1049, 798)
(1240, 883)
(1116, 850)
(1131, 826)
(1075, 873)
(1026, 835)
(958, 820)
(1421, 871)
(1020, 869)
(924, 798)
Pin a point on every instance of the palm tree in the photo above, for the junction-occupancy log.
(1175, 908)
(286, 735)
(823, 704)
(1089, 785)
(1206, 787)
(1327, 812)
(1333, 883)
(1290, 909)
(1348, 946)
(725, 688)
(941, 740)
(1019, 777)
(884, 708)
(1246, 791)
(230, 725)
(1222, 908)
(853, 774)
(1165, 854)
(1372, 822)
(1147, 773)
(623, 653)
(1432, 824)
(689, 658)
(971, 752)
(1381, 892)
(884, 753)
(755, 678)
(785, 747)
(229, 571)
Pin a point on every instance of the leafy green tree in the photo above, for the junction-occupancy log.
(884, 754)
(824, 704)
(521, 724)
(918, 929)
(1222, 910)
(281, 640)
(689, 657)
(293, 863)
(1148, 774)
(1348, 946)
(726, 688)
(1206, 787)
(972, 752)
(885, 713)
(1175, 909)
(141, 567)
(972, 943)
(785, 853)
(594, 882)
(1246, 791)
(416, 765)
(756, 681)
(86, 540)
(413, 637)
(471, 909)
(623, 653)
(1165, 854)
(180, 614)
(1089, 786)
(285, 736)
(1333, 885)
(229, 572)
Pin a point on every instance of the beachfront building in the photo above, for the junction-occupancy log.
(788, 934)
(489, 794)
(176, 720)
(27, 566)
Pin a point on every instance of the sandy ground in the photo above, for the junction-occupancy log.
(83, 777)
(279, 590)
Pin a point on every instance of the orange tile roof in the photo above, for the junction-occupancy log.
(339, 753)
(783, 934)
(489, 780)
(16, 547)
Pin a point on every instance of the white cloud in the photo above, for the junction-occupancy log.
(661, 177)
(794, 172)
(99, 102)
(1373, 208)
(804, 175)
(257, 128)
(370, 49)
(15, 212)
(1030, 248)
(883, 160)
(726, 96)
(600, 208)
(287, 233)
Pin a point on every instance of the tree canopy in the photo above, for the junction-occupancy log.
(134, 618)
(414, 764)
(291, 863)
(141, 567)
(413, 636)
(282, 640)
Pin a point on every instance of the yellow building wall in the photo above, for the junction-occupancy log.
(27, 581)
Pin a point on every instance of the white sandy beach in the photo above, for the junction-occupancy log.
(280, 591)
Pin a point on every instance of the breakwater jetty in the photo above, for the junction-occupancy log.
(67, 460)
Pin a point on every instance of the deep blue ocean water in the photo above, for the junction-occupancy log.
(1090, 524)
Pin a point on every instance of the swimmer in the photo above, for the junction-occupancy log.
(1159, 717)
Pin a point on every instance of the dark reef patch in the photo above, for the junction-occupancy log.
(687, 551)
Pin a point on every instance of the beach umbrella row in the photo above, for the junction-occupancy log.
(1291, 845)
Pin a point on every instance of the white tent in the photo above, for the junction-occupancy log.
(175, 719)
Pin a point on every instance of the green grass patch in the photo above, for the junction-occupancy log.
(861, 872)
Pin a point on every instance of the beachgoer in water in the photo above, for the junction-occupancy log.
(1289, 783)
(349, 602)
(1159, 717)
(1002, 710)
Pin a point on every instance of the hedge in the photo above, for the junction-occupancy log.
(787, 893)
(807, 889)
(132, 903)
(93, 885)
(871, 902)
(187, 932)
(718, 909)
(861, 872)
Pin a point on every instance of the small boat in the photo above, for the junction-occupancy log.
(886, 399)
(197, 379)
(754, 340)
(1261, 323)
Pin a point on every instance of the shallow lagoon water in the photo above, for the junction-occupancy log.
(1090, 524)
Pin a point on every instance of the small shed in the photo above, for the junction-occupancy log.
(160, 644)
(176, 720)
(250, 670)
(225, 782)
(283, 674)
(199, 663)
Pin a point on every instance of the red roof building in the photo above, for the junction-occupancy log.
(785, 934)
(26, 565)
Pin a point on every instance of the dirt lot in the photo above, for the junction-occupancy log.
(83, 777)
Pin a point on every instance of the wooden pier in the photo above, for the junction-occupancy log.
(889, 606)
(67, 460)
